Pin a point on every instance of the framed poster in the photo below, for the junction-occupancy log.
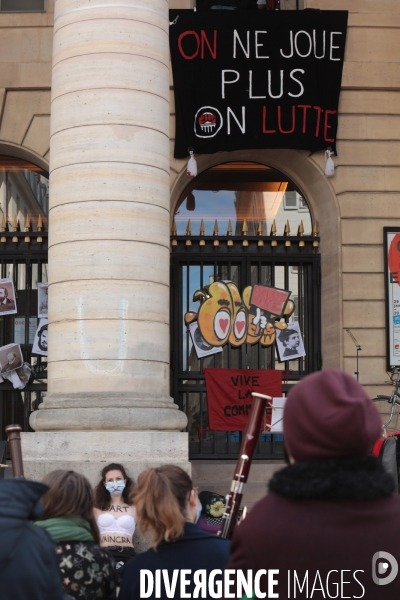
(290, 342)
(391, 242)
(40, 342)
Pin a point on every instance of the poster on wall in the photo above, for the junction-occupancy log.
(201, 347)
(391, 243)
(8, 304)
(250, 79)
(290, 342)
(10, 358)
(40, 342)
(43, 289)
(229, 398)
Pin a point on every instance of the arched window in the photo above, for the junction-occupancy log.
(248, 224)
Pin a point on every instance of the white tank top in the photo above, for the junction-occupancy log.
(107, 523)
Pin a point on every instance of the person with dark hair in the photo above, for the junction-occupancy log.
(290, 340)
(28, 562)
(42, 338)
(168, 507)
(87, 571)
(331, 516)
(5, 302)
(115, 513)
(213, 507)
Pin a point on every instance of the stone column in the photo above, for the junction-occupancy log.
(109, 225)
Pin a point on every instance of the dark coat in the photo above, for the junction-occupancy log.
(28, 563)
(321, 516)
(196, 549)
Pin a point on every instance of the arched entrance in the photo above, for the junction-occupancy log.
(249, 224)
(23, 265)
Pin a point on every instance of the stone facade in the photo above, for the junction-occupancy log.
(351, 208)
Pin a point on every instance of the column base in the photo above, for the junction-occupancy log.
(108, 412)
(89, 451)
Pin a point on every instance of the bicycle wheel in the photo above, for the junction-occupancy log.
(390, 419)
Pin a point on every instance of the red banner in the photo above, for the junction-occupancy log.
(229, 396)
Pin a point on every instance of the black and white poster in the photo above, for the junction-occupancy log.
(10, 357)
(290, 342)
(201, 347)
(250, 79)
(43, 289)
(8, 304)
(40, 341)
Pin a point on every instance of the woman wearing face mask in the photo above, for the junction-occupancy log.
(168, 507)
(115, 513)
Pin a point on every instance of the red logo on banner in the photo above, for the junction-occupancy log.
(394, 259)
(229, 396)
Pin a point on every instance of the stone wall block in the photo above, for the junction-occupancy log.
(362, 259)
(373, 75)
(366, 231)
(369, 102)
(364, 314)
(359, 179)
(106, 220)
(24, 44)
(374, 153)
(120, 376)
(363, 286)
(110, 35)
(109, 419)
(126, 182)
(360, 6)
(31, 75)
(122, 339)
(19, 110)
(77, 446)
(73, 11)
(119, 107)
(37, 137)
(105, 143)
(372, 342)
(109, 259)
(371, 44)
(120, 71)
(392, 178)
(369, 204)
(352, 127)
(372, 371)
(140, 300)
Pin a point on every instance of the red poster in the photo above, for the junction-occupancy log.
(229, 396)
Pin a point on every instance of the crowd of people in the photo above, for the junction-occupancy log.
(330, 516)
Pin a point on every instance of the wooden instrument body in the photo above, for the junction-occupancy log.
(14, 441)
(242, 469)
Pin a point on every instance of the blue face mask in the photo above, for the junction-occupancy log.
(115, 487)
(199, 509)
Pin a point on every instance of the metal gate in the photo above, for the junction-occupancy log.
(23, 257)
(292, 263)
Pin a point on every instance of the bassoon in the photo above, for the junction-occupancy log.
(14, 441)
(242, 469)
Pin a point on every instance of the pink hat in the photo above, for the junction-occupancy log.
(328, 414)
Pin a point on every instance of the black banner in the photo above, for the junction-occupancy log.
(256, 79)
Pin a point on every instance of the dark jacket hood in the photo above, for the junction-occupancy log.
(18, 506)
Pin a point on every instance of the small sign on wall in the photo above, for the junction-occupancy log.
(391, 241)
(19, 330)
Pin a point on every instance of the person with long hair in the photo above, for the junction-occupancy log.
(87, 571)
(115, 513)
(168, 507)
